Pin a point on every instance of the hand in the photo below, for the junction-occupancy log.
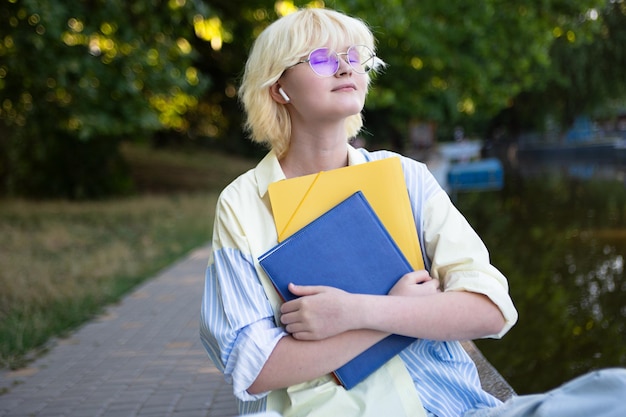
(319, 312)
(414, 284)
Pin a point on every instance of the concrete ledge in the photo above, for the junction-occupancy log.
(492, 381)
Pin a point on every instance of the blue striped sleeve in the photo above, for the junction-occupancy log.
(421, 186)
(237, 322)
(446, 378)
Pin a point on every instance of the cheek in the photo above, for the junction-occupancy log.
(363, 92)
(310, 89)
(362, 85)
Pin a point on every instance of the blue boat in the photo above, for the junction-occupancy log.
(458, 166)
(481, 175)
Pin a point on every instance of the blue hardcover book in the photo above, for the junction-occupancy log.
(347, 248)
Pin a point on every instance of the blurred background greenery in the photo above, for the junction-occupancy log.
(61, 261)
(78, 78)
(119, 124)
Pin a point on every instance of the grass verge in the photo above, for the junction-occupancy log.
(62, 262)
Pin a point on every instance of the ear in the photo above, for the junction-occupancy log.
(278, 94)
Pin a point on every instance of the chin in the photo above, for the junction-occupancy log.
(357, 110)
(353, 108)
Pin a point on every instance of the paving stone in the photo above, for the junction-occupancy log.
(140, 358)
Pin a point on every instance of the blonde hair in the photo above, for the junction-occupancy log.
(280, 45)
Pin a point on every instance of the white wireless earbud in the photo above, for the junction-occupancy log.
(282, 93)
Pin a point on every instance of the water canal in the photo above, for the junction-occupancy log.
(558, 231)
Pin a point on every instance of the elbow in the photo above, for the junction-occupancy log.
(500, 318)
(494, 323)
(265, 381)
(263, 384)
(497, 323)
(257, 387)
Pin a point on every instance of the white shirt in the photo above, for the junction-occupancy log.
(237, 325)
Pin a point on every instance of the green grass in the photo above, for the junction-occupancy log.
(62, 262)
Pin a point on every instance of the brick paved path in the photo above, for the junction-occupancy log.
(141, 358)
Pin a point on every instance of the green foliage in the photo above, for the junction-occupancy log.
(449, 63)
(218, 120)
(585, 76)
(108, 248)
(465, 62)
(61, 262)
(75, 75)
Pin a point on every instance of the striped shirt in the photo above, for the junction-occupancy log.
(238, 327)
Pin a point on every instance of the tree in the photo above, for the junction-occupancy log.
(77, 77)
(218, 120)
(585, 76)
(459, 62)
(452, 63)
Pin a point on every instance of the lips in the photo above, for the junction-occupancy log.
(348, 86)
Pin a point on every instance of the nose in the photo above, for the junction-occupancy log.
(344, 65)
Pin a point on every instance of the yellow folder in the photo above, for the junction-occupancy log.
(298, 201)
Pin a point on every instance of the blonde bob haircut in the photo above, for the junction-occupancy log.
(282, 44)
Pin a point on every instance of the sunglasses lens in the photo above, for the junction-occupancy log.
(324, 62)
(361, 58)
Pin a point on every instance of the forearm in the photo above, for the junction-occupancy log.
(294, 361)
(453, 315)
(460, 260)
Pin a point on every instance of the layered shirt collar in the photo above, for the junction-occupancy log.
(268, 170)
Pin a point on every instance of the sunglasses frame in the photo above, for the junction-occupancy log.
(330, 52)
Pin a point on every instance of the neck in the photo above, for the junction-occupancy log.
(311, 157)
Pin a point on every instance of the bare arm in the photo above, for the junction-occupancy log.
(329, 327)
(414, 307)
(452, 315)
(455, 315)
(294, 361)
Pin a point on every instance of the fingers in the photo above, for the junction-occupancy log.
(302, 290)
(295, 305)
(288, 307)
(299, 332)
(299, 327)
(316, 314)
(418, 277)
(416, 283)
(421, 278)
(433, 284)
(303, 336)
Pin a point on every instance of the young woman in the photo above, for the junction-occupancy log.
(303, 91)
